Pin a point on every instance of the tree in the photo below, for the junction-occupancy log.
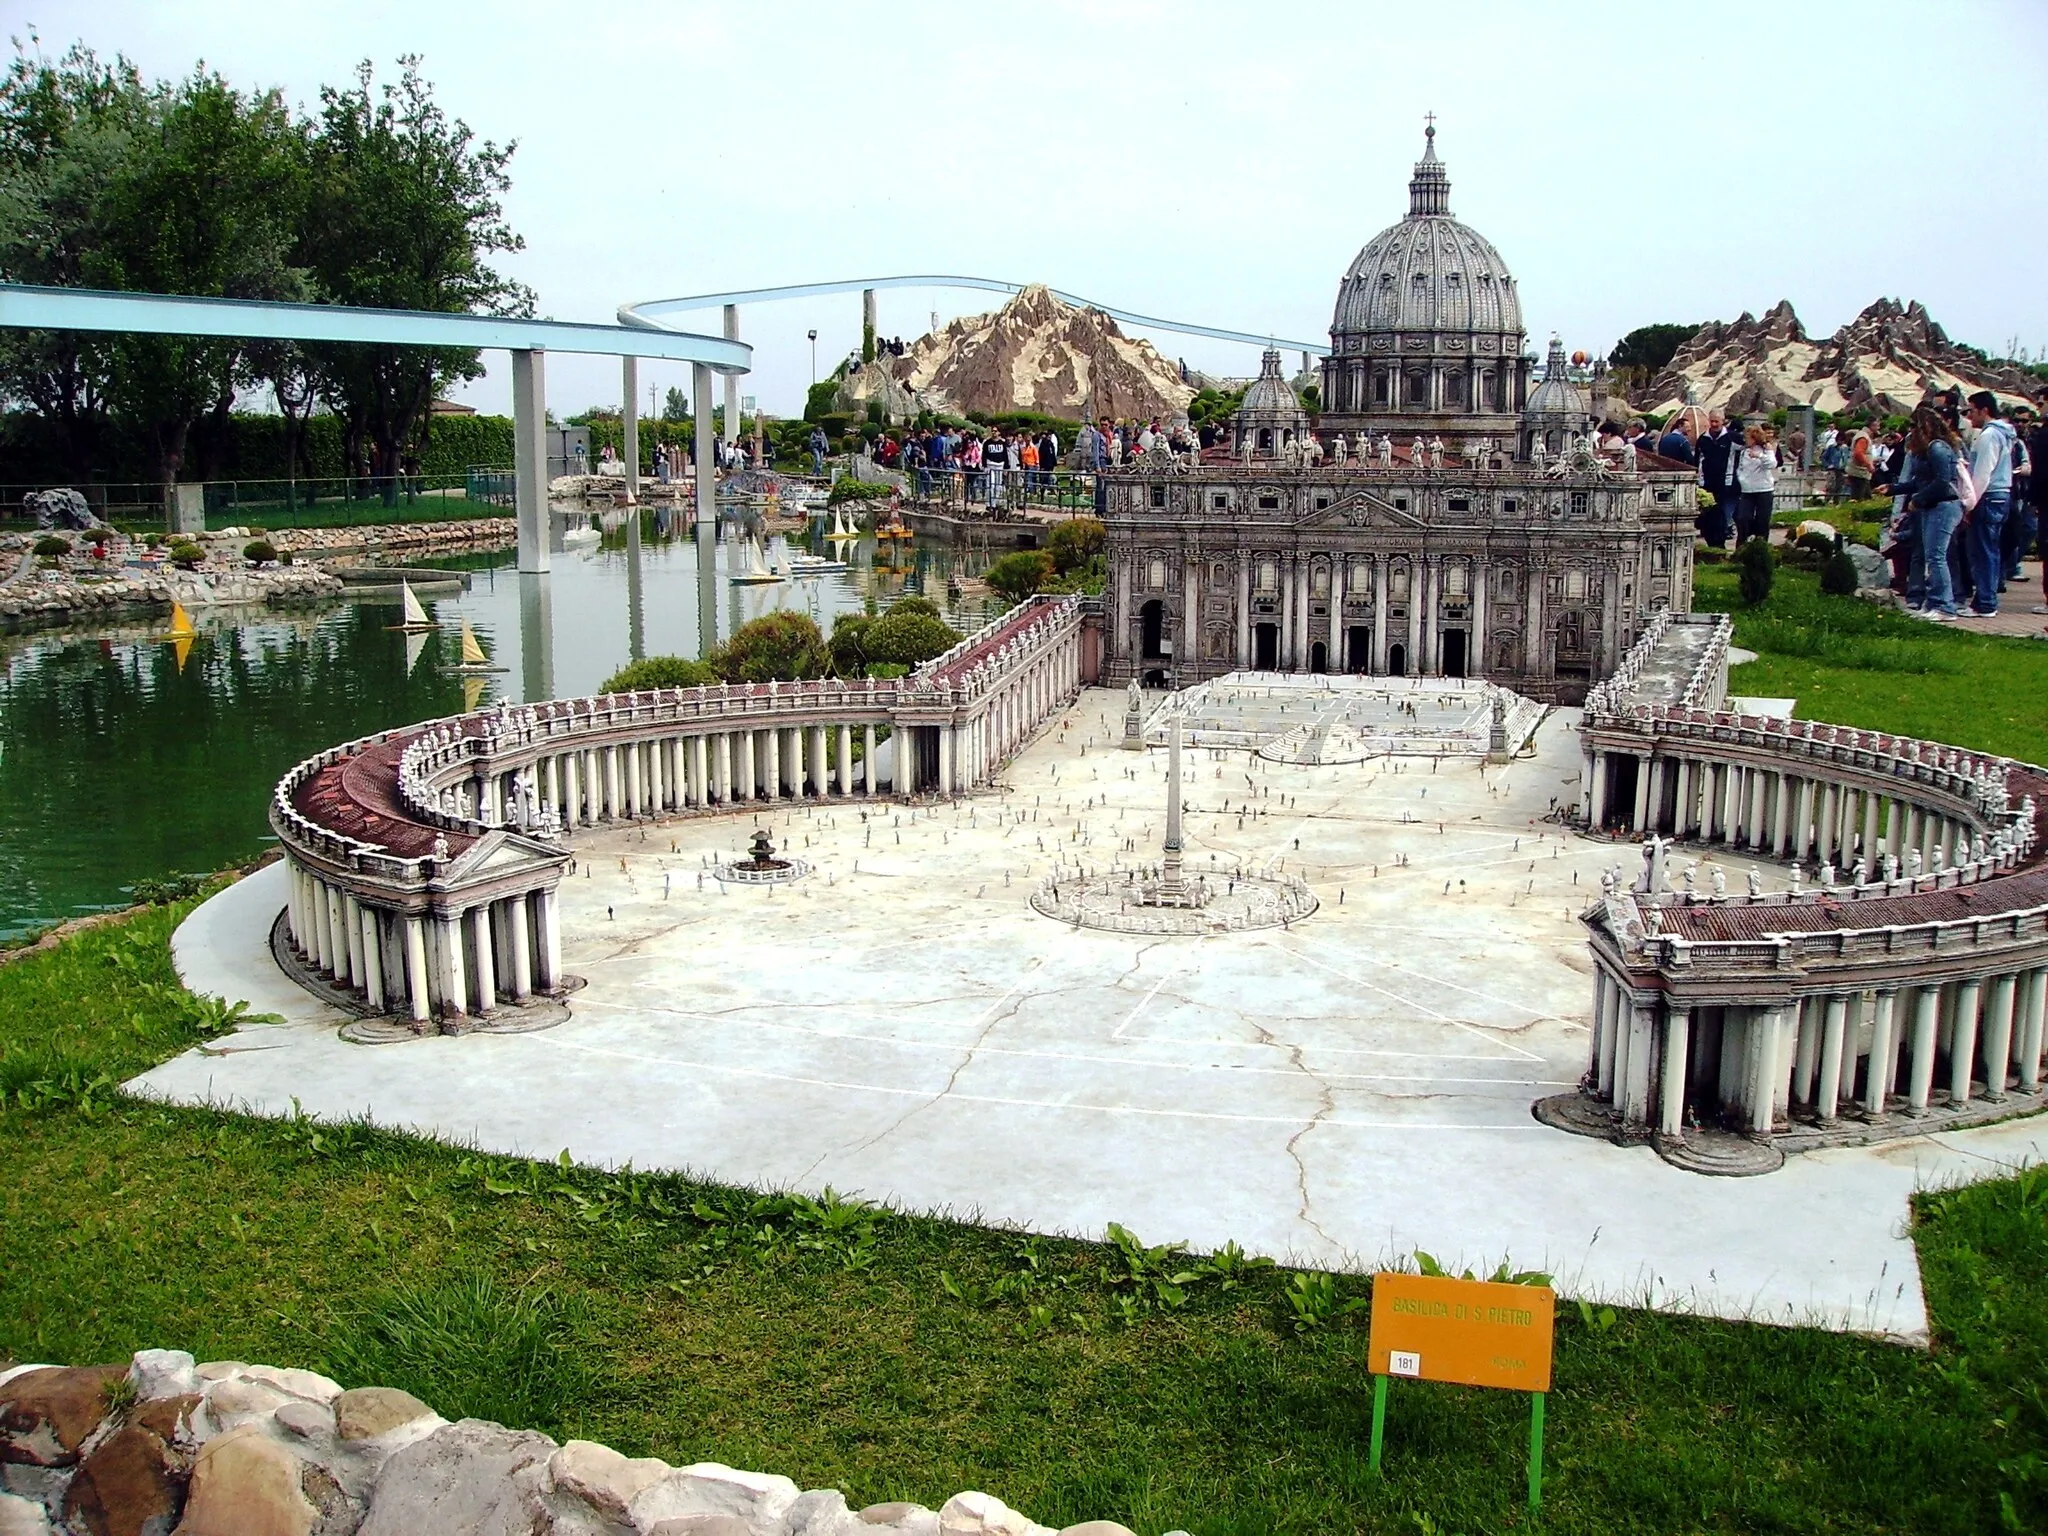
(777, 647)
(206, 201)
(403, 213)
(64, 131)
(675, 405)
(1076, 543)
(849, 644)
(1020, 573)
(1648, 348)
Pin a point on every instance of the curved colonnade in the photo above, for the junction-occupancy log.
(1909, 951)
(424, 862)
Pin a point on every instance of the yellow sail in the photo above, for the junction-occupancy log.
(181, 623)
(472, 653)
(473, 691)
(181, 647)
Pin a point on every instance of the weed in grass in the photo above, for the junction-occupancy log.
(472, 1347)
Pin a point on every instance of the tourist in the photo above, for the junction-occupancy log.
(1857, 469)
(2037, 492)
(1048, 458)
(1027, 460)
(1676, 443)
(1756, 478)
(1832, 459)
(995, 458)
(2020, 523)
(1929, 489)
(1718, 449)
(819, 447)
(1991, 474)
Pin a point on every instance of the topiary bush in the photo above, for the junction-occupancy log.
(185, 554)
(50, 547)
(1759, 569)
(259, 553)
(907, 639)
(1019, 574)
(660, 672)
(846, 489)
(1838, 577)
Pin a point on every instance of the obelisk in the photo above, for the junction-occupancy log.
(1172, 893)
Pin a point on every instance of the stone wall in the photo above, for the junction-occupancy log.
(165, 1447)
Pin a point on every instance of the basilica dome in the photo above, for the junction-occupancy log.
(1427, 334)
(1428, 272)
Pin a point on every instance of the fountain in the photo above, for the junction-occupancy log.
(763, 865)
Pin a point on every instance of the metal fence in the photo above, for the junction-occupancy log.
(317, 502)
(1012, 490)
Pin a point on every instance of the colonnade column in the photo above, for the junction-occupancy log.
(1926, 1012)
(454, 976)
(867, 761)
(1884, 1051)
(416, 967)
(373, 955)
(2034, 995)
(1962, 1046)
(1767, 1026)
(515, 919)
(1998, 1016)
(1677, 1032)
(1837, 1014)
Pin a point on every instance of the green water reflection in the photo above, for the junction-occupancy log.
(117, 764)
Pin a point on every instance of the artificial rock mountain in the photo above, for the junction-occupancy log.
(1034, 354)
(1884, 361)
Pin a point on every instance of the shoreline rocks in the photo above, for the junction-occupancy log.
(170, 1447)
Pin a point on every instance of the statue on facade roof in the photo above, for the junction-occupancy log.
(1340, 450)
(1628, 455)
(1384, 450)
(1756, 883)
(1436, 453)
(1244, 449)
(1536, 454)
(1418, 453)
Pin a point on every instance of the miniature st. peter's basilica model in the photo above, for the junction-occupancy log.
(1442, 516)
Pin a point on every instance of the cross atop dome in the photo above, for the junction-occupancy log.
(1430, 190)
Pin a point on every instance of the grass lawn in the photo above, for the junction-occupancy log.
(908, 1358)
(1859, 664)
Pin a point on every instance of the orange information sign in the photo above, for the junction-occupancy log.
(1476, 1333)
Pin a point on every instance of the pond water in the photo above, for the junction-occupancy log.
(122, 761)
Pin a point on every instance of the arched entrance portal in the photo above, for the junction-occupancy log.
(1319, 657)
(1397, 661)
(1152, 623)
(1266, 647)
(1454, 653)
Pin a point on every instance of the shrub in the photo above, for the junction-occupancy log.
(259, 552)
(846, 488)
(849, 643)
(1759, 566)
(906, 639)
(50, 547)
(912, 604)
(1075, 543)
(1019, 574)
(1838, 577)
(659, 672)
(186, 554)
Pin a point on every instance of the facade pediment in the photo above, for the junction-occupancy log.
(1360, 509)
(500, 852)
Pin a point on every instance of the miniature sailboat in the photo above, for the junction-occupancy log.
(756, 572)
(181, 634)
(840, 530)
(473, 657)
(415, 620)
(473, 692)
(415, 647)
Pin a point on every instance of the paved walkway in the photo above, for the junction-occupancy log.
(901, 1025)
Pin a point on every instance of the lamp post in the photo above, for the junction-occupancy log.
(814, 357)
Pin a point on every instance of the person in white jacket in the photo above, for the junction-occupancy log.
(1756, 477)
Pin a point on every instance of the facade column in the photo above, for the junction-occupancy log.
(867, 762)
(843, 741)
(1286, 646)
(454, 976)
(416, 990)
(1640, 820)
(548, 914)
(1893, 825)
(745, 782)
(1781, 823)
(1681, 807)
(1602, 1052)
(1244, 612)
(636, 780)
(1635, 1085)
(1597, 810)
(1340, 637)
(530, 457)
(1962, 1047)
(1759, 783)
(2034, 996)
(1920, 1087)
(771, 762)
(1884, 1051)
(372, 941)
(486, 960)
(337, 938)
(1731, 798)
(520, 945)
(1831, 1055)
(1768, 1026)
(1998, 1014)
(695, 784)
(1379, 616)
(1677, 1029)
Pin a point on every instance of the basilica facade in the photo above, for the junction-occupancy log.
(1443, 516)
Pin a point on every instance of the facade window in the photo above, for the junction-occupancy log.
(1460, 504)
(1219, 575)
(1265, 439)
(1158, 495)
(1660, 557)
(1575, 583)
(1418, 388)
(1269, 503)
(1397, 581)
(1220, 500)
(1379, 387)
(1664, 495)
(1269, 577)
(1454, 579)
(1510, 505)
(1581, 503)
(1322, 502)
(1361, 576)
(1155, 577)
(1504, 581)
(1400, 503)
(1319, 581)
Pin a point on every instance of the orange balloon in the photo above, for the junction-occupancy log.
(1579, 359)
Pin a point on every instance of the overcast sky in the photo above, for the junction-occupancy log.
(1221, 163)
